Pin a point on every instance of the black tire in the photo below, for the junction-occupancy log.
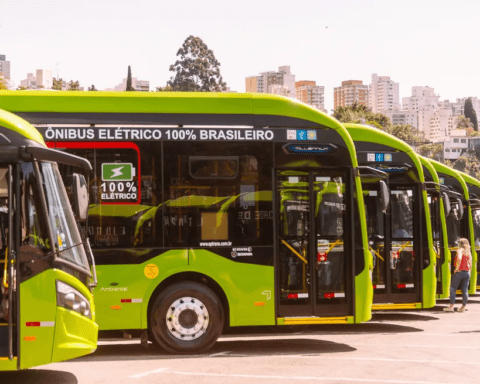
(178, 329)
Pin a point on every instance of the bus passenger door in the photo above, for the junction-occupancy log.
(310, 262)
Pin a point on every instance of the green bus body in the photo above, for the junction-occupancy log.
(134, 278)
(439, 229)
(473, 186)
(402, 279)
(35, 329)
(454, 180)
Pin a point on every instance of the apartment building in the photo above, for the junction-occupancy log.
(383, 94)
(4, 67)
(138, 85)
(43, 79)
(349, 93)
(268, 82)
(442, 123)
(456, 144)
(310, 93)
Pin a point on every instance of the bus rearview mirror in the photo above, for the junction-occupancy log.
(80, 197)
(385, 195)
(460, 208)
(446, 204)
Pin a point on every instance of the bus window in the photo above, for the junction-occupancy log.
(402, 211)
(453, 226)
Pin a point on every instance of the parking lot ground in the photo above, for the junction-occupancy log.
(418, 347)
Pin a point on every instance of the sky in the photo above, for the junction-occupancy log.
(416, 43)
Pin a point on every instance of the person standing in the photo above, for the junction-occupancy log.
(461, 274)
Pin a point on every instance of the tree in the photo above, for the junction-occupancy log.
(3, 84)
(462, 122)
(197, 69)
(167, 88)
(92, 88)
(129, 81)
(470, 113)
(73, 85)
(467, 164)
(432, 151)
(57, 84)
(360, 114)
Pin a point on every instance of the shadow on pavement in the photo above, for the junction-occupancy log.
(38, 376)
(403, 316)
(223, 348)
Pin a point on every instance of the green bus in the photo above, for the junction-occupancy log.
(46, 303)
(473, 186)
(214, 209)
(439, 204)
(400, 237)
(459, 220)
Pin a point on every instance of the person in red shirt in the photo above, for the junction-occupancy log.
(461, 275)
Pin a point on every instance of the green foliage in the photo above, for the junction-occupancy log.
(360, 114)
(20, 88)
(470, 113)
(57, 84)
(167, 88)
(197, 69)
(3, 84)
(92, 88)
(129, 87)
(433, 151)
(467, 164)
(73, 85)
(463, 122)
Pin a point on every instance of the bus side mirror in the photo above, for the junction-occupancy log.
(80, 197)
(460, 208)
(446, 204)
(384, 195)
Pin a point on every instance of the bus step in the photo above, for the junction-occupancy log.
(377, 307)
(314, 320)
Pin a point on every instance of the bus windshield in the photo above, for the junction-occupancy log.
(65, 231)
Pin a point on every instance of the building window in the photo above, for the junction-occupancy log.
(455, 140)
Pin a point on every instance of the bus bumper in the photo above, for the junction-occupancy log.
(75, 335)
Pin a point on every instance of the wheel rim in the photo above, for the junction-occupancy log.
(187, 318)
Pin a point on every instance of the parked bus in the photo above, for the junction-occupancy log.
(473, 186)
(46, 303)
(439, 204)
(400, 238)
(212, 210)
(459, 220)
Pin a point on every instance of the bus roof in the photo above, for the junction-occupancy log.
(430, 168)
(442, 168)
(247, 108)
(169, 108)
(25, 131)
(363, 133)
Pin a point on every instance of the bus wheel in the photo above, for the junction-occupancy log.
(186, 318)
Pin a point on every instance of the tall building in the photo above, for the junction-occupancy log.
(311, 93)
(421, 97)
(4, 67)
(351, 92)
(29, 82)
(44, 79)
(383, 94)
(138, 85)
(268, 82)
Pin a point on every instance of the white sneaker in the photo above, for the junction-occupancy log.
(449, 309)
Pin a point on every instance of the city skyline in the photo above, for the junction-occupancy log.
(415, 44)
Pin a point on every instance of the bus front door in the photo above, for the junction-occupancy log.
(311, 258)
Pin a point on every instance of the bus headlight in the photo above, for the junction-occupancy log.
(70, 298)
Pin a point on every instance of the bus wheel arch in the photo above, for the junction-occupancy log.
(196, 304)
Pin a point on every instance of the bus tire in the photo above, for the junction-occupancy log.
(186, 318)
